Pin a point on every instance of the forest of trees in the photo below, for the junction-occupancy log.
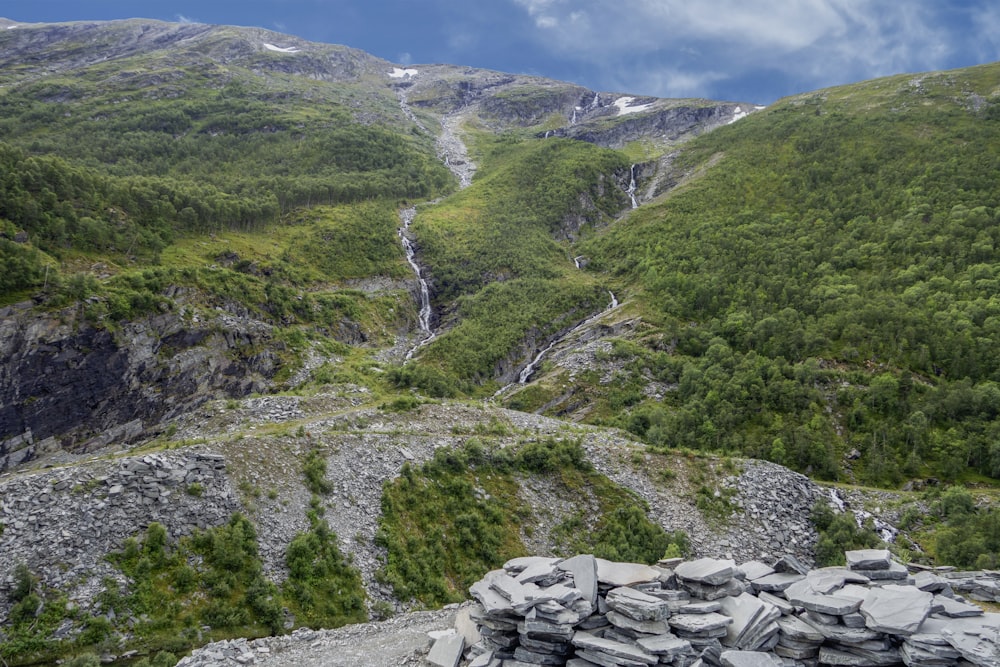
(831, 285)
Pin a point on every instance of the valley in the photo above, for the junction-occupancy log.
(294, 337)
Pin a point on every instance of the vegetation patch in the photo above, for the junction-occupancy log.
(458, 515)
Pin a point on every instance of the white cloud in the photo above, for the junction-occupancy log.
(987, 20)
(692, 43)
(404, 58)
(184, 19)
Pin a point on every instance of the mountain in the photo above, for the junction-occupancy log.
(141, 136)
(292, 335)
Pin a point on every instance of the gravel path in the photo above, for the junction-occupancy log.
(400, 641)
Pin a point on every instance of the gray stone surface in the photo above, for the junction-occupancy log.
(447, 651)
(896, 609)
(755, 569)
(868, 559)
(645, 627)
(977, 639)
(637, 605)
(624, 574)
(956, 609)
(583, 568)
(697, 623)
(800, 630)
(665, 645)
(706, 571)
(775, 583)
(746, 612)
(832, 605)
(589, 642)
(749, 659)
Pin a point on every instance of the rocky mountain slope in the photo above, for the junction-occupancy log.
(295, 336)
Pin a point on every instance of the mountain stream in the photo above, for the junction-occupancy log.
(406, 217)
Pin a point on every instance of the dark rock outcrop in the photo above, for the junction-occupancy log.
(67, 384)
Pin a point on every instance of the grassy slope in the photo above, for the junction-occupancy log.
(499, 274)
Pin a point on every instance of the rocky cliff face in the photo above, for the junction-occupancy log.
(663, 125)
(69, 385)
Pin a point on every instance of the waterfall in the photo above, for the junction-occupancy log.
(631, 187)
(885, 530)
(529, 370)
(576, 261)
(837, 500)
(406, 217)
(572, 121)
(597, 101)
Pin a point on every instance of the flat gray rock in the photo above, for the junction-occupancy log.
(636, 604)
(749, 659)
(853, 591)
(588, 642)
(665, 645)
(539, 572)
(776, 583)
(521, 563)
(583, 568)
(868, 559)
(447, 651)
(492, 601)
(789, 564)
(745, 611)
(624, 574)
(698, 623)
(829, 579)
(659, 627)
(928, 581)
(700, 607)
(591, 658)
(783, 605)
(754, 569)
(706, 571)
(952, 608)
(799, 630)
(832, 656)
(896, 609)
(895, 572)
(975, 638)
(832, 605)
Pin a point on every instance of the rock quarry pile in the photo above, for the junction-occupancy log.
(62, 522)
(585, 611)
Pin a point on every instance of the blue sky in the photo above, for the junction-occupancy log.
(741, 50)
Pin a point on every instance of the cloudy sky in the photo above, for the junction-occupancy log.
(742, 50)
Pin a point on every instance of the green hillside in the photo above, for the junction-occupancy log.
(829, 282)
(820, 285)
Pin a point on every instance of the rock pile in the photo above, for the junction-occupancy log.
(62, 522)
(586, 611)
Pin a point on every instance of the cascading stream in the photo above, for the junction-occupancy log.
(631, 187)
(529, 370)
(406, 217)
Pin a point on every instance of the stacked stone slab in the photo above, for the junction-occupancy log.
(585, 611)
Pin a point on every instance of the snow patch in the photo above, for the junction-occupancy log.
(11, 27)
(737, 114)
(399, 73)
(623, 106)
(279, 49)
